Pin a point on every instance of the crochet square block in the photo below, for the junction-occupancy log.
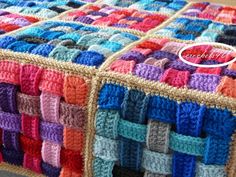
(216, 12)
(42, 9)
(105, 15)
(45, 87)
(168, 7)
(140, 131)
(200, 30)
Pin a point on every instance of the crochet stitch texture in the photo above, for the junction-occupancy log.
(97, 89)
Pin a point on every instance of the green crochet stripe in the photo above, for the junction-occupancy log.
(133, 131)
(187, 144)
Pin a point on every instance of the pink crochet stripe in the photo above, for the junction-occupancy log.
(51, 153)
(52, 82)
(29, 79)
(10, 72)
(123, 66)
(32, 163)
(50, 105)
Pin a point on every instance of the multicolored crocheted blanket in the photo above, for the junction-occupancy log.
(117, 88)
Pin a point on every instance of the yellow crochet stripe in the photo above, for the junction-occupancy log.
(18, 170)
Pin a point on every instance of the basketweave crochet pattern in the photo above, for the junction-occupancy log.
(44, 109)
(11, 21)
(40, 8)
(199, 30)
(167, 6)
(97, 89)
(211, 11)
(115, 17)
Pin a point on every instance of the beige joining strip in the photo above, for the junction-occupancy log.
(231, 166)
(18, 170)
(90, 133)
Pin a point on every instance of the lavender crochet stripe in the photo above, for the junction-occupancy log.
(10, 122)
(51, 132)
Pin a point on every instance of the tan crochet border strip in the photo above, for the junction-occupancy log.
(231, 165)
(90, 133)
(18, 170)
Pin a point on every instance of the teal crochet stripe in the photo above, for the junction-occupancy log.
(160, 163)
(155, 162)
(187, 144)
(133, 131)
(105, 148)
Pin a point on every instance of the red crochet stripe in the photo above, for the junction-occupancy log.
(31, 146)
(31, 19)
(32, 163)
(30, 126)
(72, 160)
(149, 45)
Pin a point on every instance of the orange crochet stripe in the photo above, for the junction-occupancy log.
(73, 139)
(227, 87)
(75, 90)
(65, 172)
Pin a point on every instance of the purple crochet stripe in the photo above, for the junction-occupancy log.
(21, 22)
(204, 82)
(11, 122)
(135, 19)
(164, 54)
(229, 73)
(148, 71)
(84, 19)
(97, 13)
(179, 65)
(8, 98)
(51, 131)
(11, 140)
(3, 12)
(133, 55)
(119, 25)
